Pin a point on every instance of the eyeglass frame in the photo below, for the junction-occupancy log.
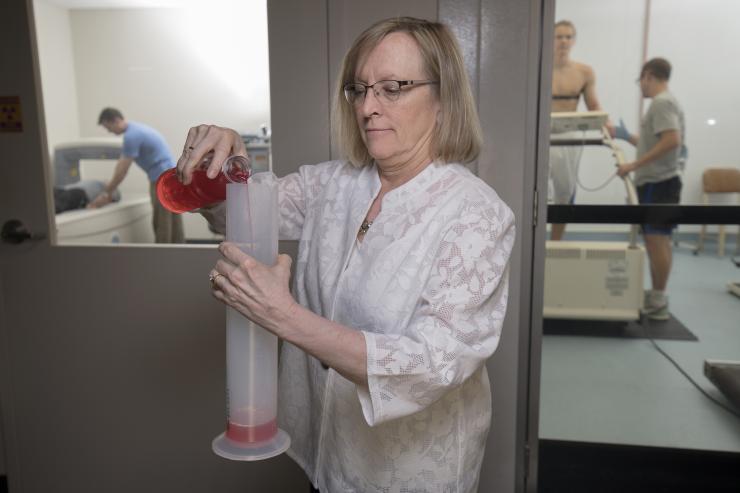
(401, 83)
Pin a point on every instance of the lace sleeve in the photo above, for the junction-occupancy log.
(295, 191)
(456, 324)
(292, 204)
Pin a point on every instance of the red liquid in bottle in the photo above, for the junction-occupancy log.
(247, 435)
(202, 191)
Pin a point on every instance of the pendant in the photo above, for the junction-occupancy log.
(365, 226)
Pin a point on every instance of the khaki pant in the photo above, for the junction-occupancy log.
(167, 225)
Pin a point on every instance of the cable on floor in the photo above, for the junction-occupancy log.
(688, 377)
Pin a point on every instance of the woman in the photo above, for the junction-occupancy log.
(401, 276)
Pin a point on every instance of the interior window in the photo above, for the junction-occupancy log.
(164, 68)
(629, 363)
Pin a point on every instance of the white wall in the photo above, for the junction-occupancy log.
(700, 39)
(164, 68)
(56, 60)
(170, 68)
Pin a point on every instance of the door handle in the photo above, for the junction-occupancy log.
(15, 232)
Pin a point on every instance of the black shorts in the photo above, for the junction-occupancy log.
(662, 192)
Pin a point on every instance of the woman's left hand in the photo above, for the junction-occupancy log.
(258, 291)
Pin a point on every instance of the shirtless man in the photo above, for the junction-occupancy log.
(570, 80)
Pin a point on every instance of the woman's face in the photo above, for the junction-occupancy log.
(397, 134)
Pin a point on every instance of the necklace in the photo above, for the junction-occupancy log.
(365, 226)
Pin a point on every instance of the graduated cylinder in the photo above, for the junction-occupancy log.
(251, 351)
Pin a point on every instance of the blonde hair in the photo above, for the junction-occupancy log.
(566, 23)
(457, 136)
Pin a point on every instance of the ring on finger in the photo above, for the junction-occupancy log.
(212, 278)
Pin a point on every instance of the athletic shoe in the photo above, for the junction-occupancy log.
(656, 310)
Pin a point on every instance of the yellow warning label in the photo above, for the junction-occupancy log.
(11, 119)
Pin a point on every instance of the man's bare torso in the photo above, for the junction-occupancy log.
(568, 84)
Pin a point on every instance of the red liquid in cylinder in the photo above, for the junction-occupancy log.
(251, 434)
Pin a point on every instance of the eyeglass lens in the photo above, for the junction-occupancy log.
(387, 90)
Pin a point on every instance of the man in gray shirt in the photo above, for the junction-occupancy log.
(660, 159)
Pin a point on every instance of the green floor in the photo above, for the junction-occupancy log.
(623, 391)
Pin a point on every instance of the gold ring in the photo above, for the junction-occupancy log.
(212, 278)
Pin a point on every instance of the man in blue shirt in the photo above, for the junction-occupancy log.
(146, 147)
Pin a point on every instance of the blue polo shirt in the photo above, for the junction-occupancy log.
(148, 149)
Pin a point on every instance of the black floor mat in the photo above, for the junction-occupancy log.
(577, 467)
(640, 329)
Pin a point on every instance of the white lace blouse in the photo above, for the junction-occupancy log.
(427, 287)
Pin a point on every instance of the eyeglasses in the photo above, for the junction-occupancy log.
(387, 91)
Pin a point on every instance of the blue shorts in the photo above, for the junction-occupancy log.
(662, 192)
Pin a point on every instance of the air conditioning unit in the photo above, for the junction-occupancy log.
(590, 280)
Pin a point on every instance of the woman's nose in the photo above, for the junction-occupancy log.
(371, 104)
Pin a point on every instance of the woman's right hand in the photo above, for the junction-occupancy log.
(201, 140)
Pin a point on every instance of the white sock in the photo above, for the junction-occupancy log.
(658, 296)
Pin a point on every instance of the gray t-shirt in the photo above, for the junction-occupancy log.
(664, 114)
